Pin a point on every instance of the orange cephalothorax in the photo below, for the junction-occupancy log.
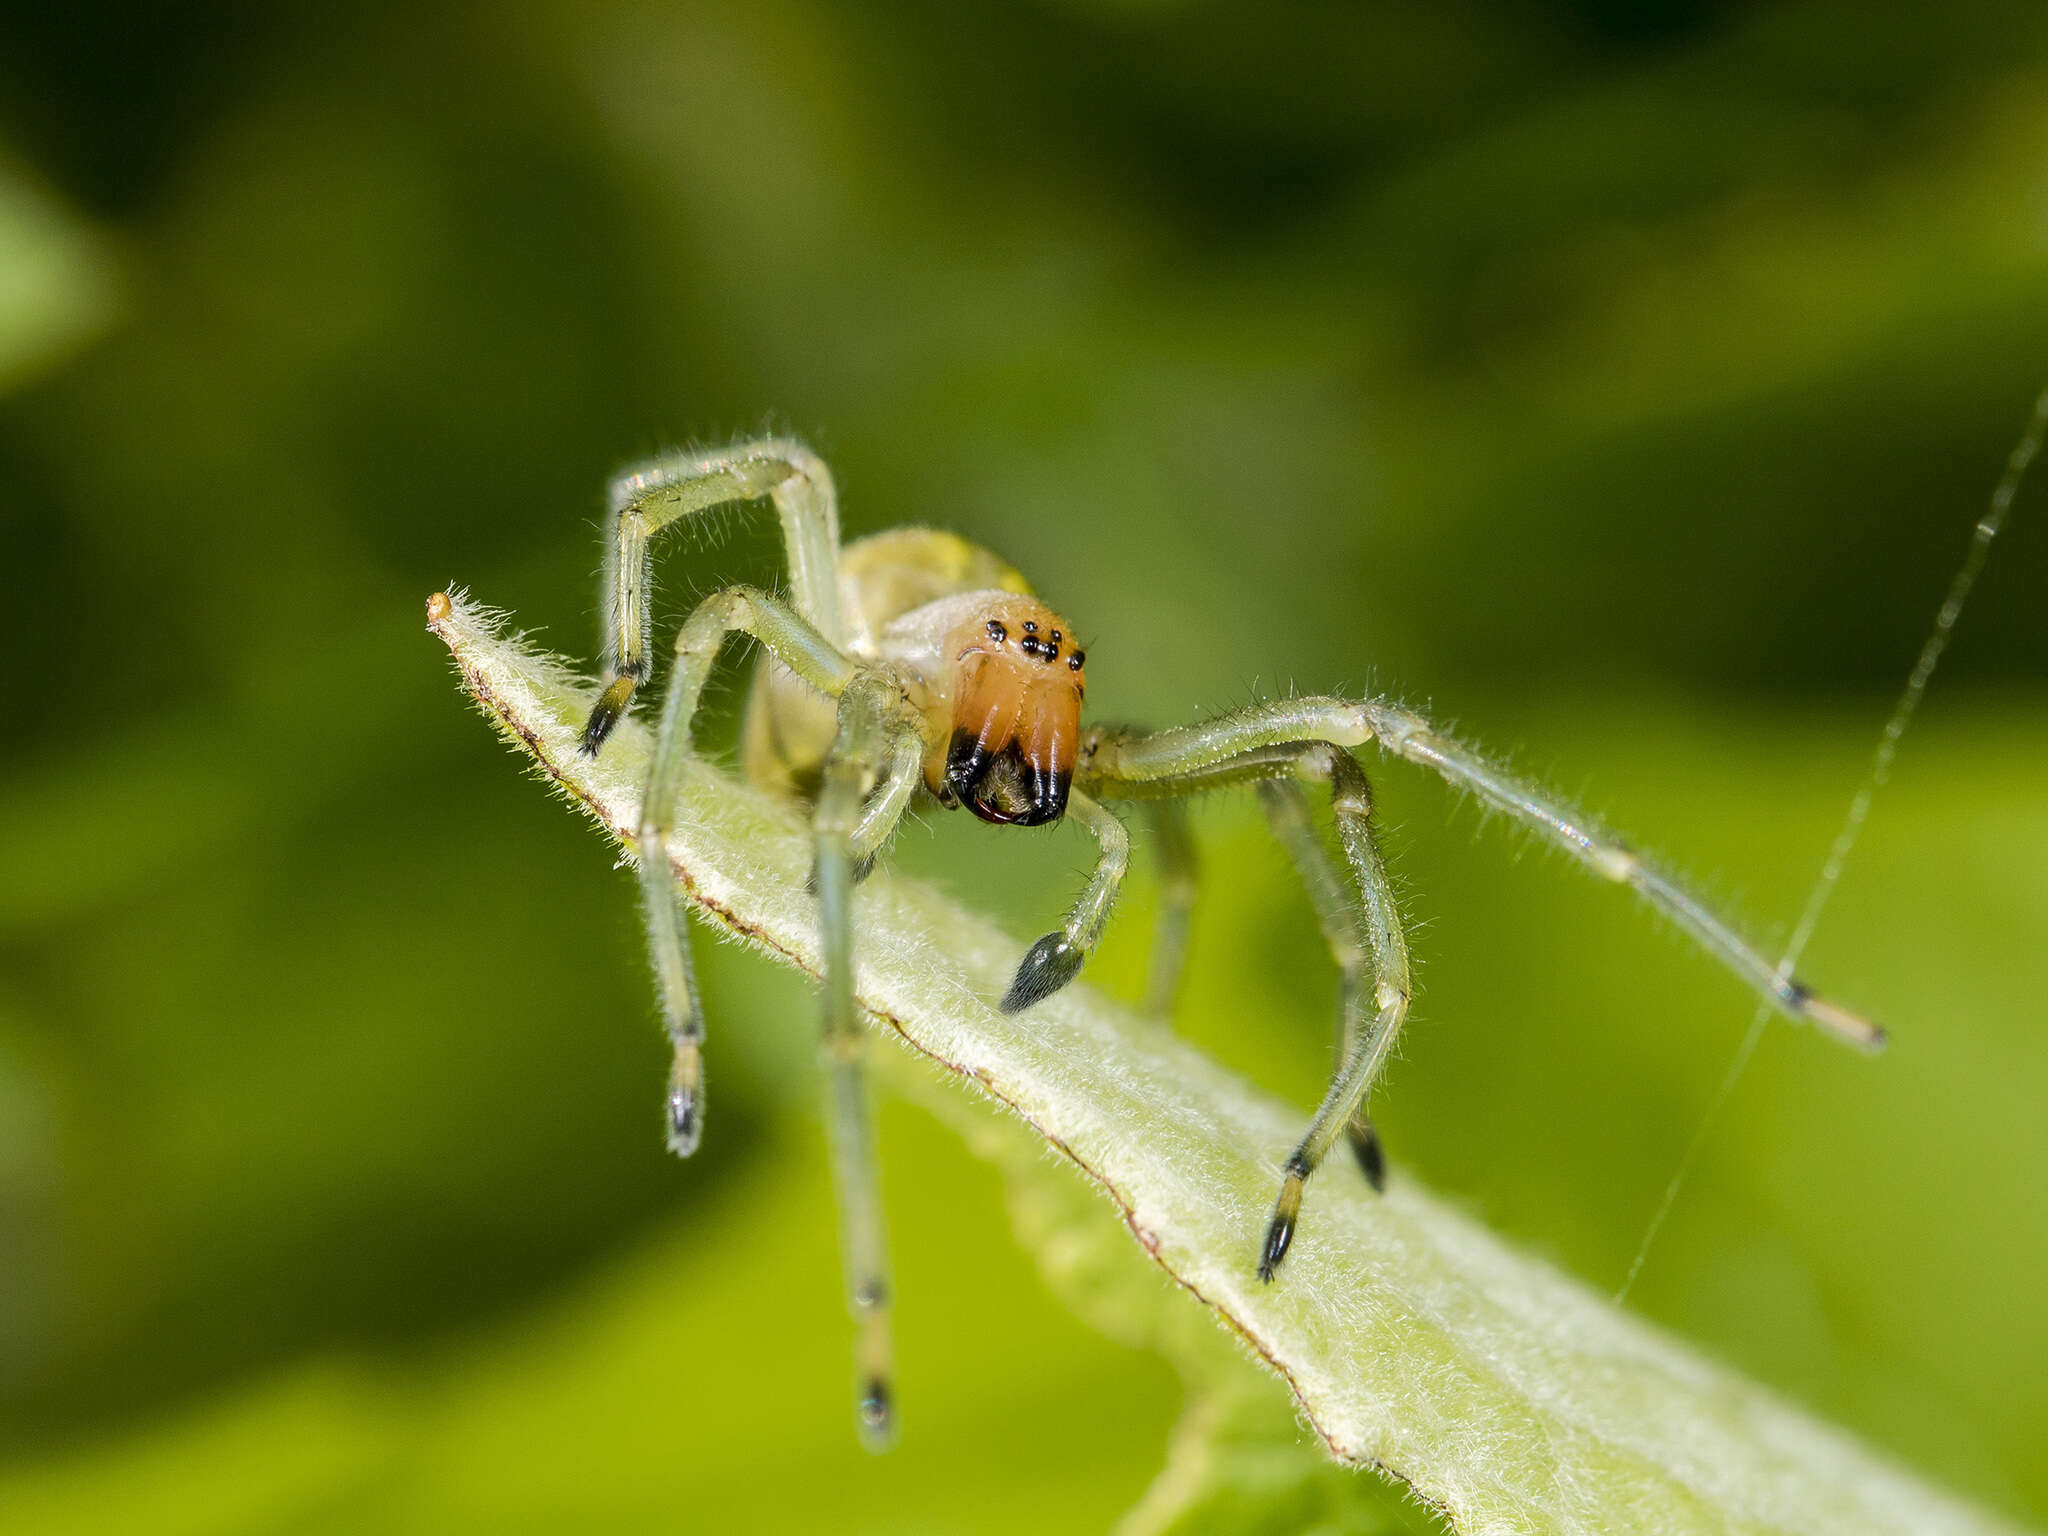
(1017, 693)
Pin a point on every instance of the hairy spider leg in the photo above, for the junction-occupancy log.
(1357, 926)
(868, 779)
(1287, 813)
(902, 772)
(650, 496)
(1408, 735)
(1367, 1045)
(1179, 882)
(1353, 722)
(800, 647)
(1274, 770)
(1250, 745)
(872, 729)
(1052, 962)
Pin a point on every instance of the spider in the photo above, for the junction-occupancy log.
(915, 663)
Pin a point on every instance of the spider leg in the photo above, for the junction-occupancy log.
(1178, 869)
(803, 649)
(870, 743)
(1129, 760)
(1053, 961)
(1368, 1044)
(1287, 813)
(650, 496)
(902, 772)
(1275, 770)
(1359, 924)
(1410, 736)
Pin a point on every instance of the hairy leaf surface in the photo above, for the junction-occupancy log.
(1504, 1394)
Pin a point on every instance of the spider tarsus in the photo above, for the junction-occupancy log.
(1280, 1230)
(1372, 1157)
(877, 1414)
(685, 1116)
(611, 705)
(1850, 1028)
(685, 1128)
(1047, 966)
(1279, 1234)
(861, 868)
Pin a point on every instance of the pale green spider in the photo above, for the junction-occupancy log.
(913, 660)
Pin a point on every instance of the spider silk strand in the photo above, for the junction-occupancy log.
(1878, 775)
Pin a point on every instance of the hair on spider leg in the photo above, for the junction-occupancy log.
(1286, 1213)
(1047, 966)
(609, 710)
(913, 667)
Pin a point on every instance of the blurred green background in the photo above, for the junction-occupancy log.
(1618, 380)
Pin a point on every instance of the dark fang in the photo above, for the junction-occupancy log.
(1000, 786)
(1047, 966)
(966, 761)
(1047, 788)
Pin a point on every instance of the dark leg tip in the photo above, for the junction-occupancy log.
(611, 705)
(596, 730)
(1372, 1157)
(685, 1123)
(858, 871)
(1047, 966)
(1279, 1235)
(1280, 1230)
(877, 1414)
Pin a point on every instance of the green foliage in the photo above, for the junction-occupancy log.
(55, 286)
(1616, 381)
